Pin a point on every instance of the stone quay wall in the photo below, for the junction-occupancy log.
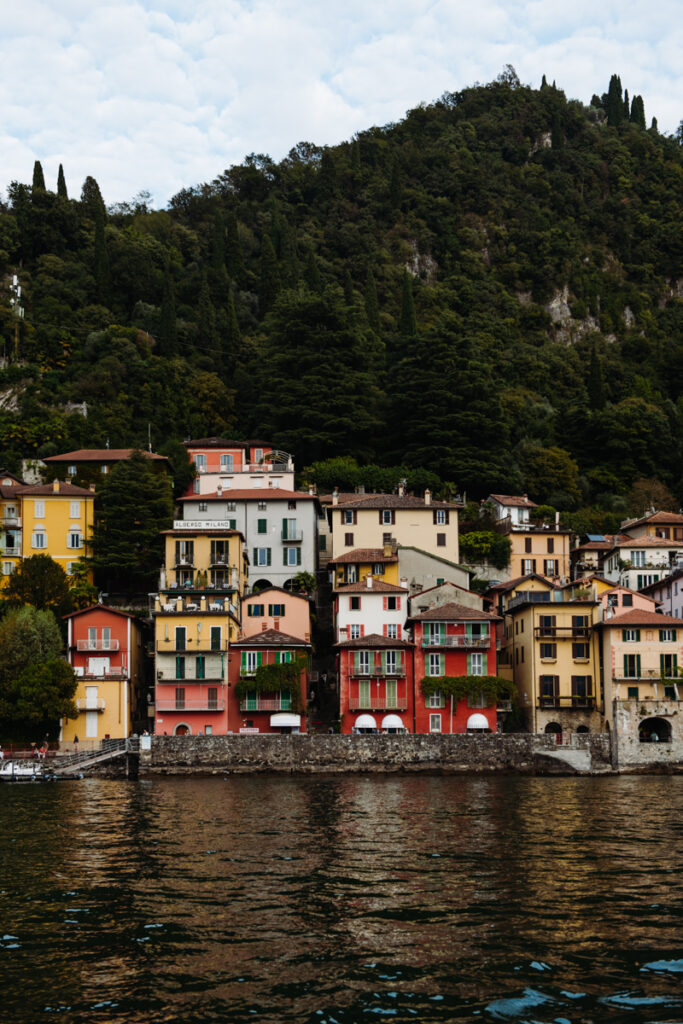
(518, 753)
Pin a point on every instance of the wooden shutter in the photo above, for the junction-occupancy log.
(298, 556)
(638, 636)
(626, 673)
(384, 603)
(362, 630)
(398, 632)
(469, 664)
(623, 636)
(485, 664)
(398, 604)
(244, 661)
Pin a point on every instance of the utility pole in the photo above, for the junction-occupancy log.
(18, 310)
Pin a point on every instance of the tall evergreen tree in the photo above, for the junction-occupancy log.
(168, 328)
(615, 102)
(627, 108)
(206, 318)
(233, 252)
(101, 261)
(312, 273)
(270, 278)
(91, 198)
(38, 176)
(407, 325)
(233, 337)
(371, 303)
(61, 184)
(638, 112)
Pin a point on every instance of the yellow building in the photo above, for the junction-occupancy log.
(355, 566)
(10, 522)
(104, 648)
(197, 615)
(542, 550)
(56, 519)
(375, 520)
(551, 651)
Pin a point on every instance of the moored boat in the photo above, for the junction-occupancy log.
(23, 771)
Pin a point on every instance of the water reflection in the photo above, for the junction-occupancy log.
(418, 898)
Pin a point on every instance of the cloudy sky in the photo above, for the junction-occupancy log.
(163, 94)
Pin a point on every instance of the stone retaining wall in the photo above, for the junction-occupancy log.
(514, 753)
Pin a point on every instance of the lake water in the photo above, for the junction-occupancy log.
(338, 900)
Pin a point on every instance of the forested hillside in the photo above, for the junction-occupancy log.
(490, 290)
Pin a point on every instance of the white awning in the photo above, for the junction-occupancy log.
(478, 722)
(365, 722)
(392, 722)
(285, 719)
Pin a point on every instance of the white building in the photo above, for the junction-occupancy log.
(370, 607)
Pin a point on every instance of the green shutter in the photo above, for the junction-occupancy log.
(625, 666)
(638, 665)
(255, 559)
(298, 556)
(252, 700)
(244, 661)
(469, 664)
(442, 664)
(391, 701)
(259, 658)
(364, 693)
(485, 664)
(284, 555)
(638, 635)
(277, 657)
(285, 700)
(662, 664)
(640, 581)
(623, 636)
(268, 556)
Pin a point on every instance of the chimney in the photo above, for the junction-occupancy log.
(401, 490)
(311, 491)
(92, 488)
(335, 496)
(557, 520)
(219, 489)
(55, 486)
(368, 581)
(428, 497)
(404, 582)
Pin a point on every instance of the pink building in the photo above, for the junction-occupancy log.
(275, 608)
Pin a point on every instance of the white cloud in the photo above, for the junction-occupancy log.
(162, 94)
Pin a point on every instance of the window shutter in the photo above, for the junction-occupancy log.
(442, 664)
(255, 558)
(662, 667)
(259, 658)
(298, 556)
(638, 665)
(434, 516)
(285, 528)
(661, 637)
(398, 632)
(356, 663)
(244, 660)
(675, 667)
(623, 635)
(362, 630)
(533, 565)
(485, 664)
(442, 631)
(640, 581)
(384, 603)
(469, 664)
(268, 556)
(381, 518)
(638, 635)
(278, 657)
(398, 604)
(625, 665)
(284, 556)
(393, 517)
(385, 630)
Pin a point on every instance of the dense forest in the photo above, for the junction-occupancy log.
(487, 295)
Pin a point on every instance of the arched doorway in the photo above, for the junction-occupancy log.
(654, 730)
(582, 728)
(182, 729)
(554, 729)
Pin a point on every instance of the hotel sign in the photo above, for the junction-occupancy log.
(201, 524)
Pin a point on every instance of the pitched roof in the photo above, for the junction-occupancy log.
(511, 584)
(342, 497)
(363, 555)
(99, 608)
(607, 542)
(252, 494)
(514, 500)
(102, 455)
(207, 530)
(396, 501)
(222, 442)
(277, 590)
(453, 612)
(666, 518)
(378, 587)
(47, 490)
(641, 617)
(373, 640)
(271, 638)
(648, 542)
(437, 586)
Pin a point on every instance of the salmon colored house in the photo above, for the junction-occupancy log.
(376, 685)
(275, 608)
(106, 653)
(453, 640)
(220, 462)
(264, 694)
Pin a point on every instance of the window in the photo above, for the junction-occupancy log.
(348, 516)
(638, 558)
(276, 610)
(195, 486)
(200, 667)
(632, 692)
(547, 625)
(391, 691)
(203, 506)
(581, 690)
(289, 530)
(180, 638)
(231, 506)
(527, 545)
(71, 470)
(580, 652)
(354, 603)
(362, 663)
(348, 540)
(262, 506)
(632, 666)
(387, 516)
(548, 689)
(75, 509)
(476, 664)
(580, 625)
(255, 611)
(180, 666)
(439, 581)
(440, 517)
(92, 638)
(291, 505)
(227, 463)
(258, 455)
(436, 700)
(250, 662)
(668, 665)
(351, 574)
(392, 604)
(378, 569)
(200, 463)
(441, 540)
(391, 663)
(627, 600)
(322, 542)
(435, 665)
(667, 635)
(477, 700)
(106, 638)
(670, 693)
(39, 539)
(392, 631)
(74, 539)
(548, 652)
(528, 566)
(262, 526)
(630, 636)
(435, 723)
(179, 697)
(355, 631)
(39, 509)
(551, 545)
(550, 567)
(216, 637)
(8, 568)
(386, 538)
(262, 556)
(291, 556)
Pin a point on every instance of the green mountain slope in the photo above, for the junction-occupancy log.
(489, 290)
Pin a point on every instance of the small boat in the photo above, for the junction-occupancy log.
(23, 771)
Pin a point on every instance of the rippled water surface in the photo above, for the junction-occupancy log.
(339, 900)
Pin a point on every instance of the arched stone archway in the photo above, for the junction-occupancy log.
(582, 728)
(554, 729)
(182, 729)
(260, 585)
(654, 730)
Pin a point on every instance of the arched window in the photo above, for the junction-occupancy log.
(654, 730)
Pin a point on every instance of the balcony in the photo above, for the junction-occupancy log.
(110, 675)
(292, 536)
(469, 643)
(378, 704)
(562, 632)
(184, 562)
(11, 522)
(392, 670)
(90, 704)
(97, 645)
(646, 676)
(196, 704)
(265, 704)
(571, 703)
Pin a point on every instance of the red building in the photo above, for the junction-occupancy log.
(376, 685)
(263, 697)
(453, 640)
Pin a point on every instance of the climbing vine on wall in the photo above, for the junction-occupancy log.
(494, 688)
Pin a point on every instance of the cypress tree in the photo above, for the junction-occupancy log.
(355, 156)
(38, 176)
(91, 198)
(61, 184)
(371, 303)
(595, 384)
(233, 252)
(270, 278)
(168, 328)
(312, 273)
(101, 261)
(654, 127)
(348, 288)
(615, 103)
(233, 336)
(407, 325)
(206, 317)
(544, 83)
(627, 108)
(638, 112)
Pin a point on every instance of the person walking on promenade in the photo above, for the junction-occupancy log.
(75, 744)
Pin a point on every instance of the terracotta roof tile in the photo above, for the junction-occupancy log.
(378, 587)
(363, 555)
(453, 612)
(396, 501)
(102, 455)
(640, 617)
(374, 640)
(253, 494)
(514, 500)
(271, 638)
(48, 491)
